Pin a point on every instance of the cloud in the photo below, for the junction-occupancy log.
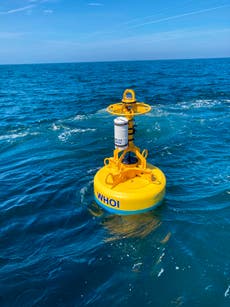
(38, 1)
(27, 8)
(9, 35)
(48, 12)
(126, 26)
(178, 16)
(20, 9)
(95, 4)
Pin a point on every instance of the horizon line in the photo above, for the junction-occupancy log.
(114, 61)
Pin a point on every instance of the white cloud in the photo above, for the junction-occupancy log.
(178, 16)
(28, 8)
(20, 9)
(48, 12)
(95, 4)
(9, 35)
(38, 1)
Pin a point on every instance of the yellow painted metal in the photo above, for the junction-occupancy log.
(134, 187)
(122, 109)
(129, 96)
(129, 107)
(131, 190)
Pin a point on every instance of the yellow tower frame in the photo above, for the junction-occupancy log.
(129, 107)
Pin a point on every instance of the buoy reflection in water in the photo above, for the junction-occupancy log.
(126, 226)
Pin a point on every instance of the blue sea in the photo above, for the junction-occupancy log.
(57, 248)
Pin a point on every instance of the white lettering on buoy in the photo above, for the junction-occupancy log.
(109, 201)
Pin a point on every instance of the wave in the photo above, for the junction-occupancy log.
(201, 103)
(13, 136)
(64, 136)
(217, 202)
(164, 109)
(84, 117)
(81, 117)
(56, 127)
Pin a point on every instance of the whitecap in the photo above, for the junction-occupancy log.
(78, 130)
(64, 136)
(81, 117)
(13, 136)
(157, 112)
(200, 103)
(55, 127)
(68, 132)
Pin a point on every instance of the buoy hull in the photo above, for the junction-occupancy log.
(132, 196)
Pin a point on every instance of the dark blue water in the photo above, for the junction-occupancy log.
(56, 247)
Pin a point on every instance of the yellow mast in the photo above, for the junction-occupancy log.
(128, 107)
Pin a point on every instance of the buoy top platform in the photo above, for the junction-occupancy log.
(127, 183)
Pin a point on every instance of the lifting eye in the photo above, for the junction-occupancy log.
(129, 96)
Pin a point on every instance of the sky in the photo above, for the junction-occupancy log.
(55, 31)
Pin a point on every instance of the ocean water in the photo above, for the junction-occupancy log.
(57, 248)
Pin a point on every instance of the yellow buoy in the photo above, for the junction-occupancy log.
(127, 184)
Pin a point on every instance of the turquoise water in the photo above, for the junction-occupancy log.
(56, 247)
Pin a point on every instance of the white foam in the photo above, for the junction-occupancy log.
(55, 127)
(161, 272)
(200, 103)
(81, 117)
(92, 170)
(16, 135)
(227, 292)
(83, 192)
(83, 130)
(161, 257)
(68, 132)
(137, 266)
(157, 112)
(64, 136)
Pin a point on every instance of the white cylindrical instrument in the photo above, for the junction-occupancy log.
(121, 133)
